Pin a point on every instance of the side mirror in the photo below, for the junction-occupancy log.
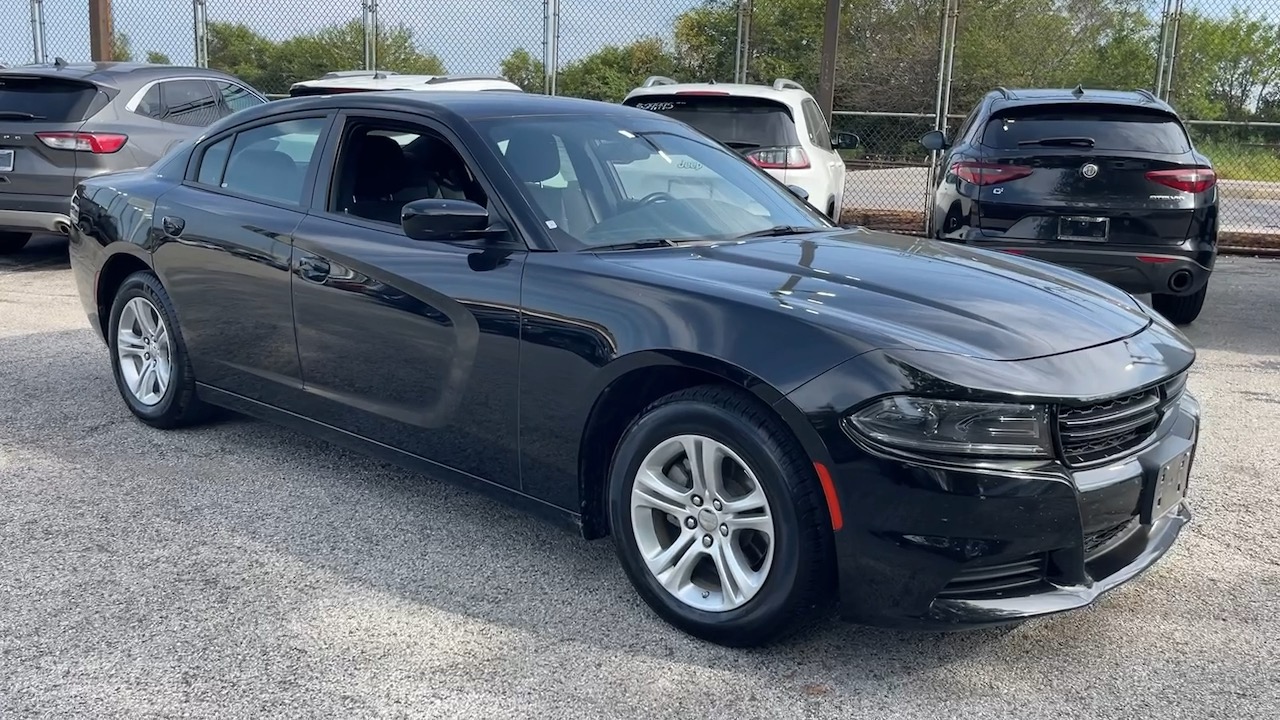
(846, 141)
(443, 219)
(799, 192)
(934, 140)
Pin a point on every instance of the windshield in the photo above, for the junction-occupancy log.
(610, 180)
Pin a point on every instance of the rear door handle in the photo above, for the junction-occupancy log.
(173, 226)
(313, 268)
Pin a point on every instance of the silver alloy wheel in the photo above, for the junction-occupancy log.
(144, 349)
(702, 523)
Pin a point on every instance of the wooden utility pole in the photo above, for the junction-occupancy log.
(827, 68)
(101, 33)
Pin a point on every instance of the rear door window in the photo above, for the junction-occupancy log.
(1116, 128)
(189, 102)
(742, 123)
(48, 99)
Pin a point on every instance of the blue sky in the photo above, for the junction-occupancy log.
(469, 35)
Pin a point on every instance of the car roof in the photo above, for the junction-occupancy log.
(1004, 98)
(388, 81)
(782, 89)
(463, 105)
(109, 74)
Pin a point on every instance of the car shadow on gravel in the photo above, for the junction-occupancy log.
(43, 252)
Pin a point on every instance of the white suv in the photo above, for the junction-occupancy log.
(367, 80)
(778, 128)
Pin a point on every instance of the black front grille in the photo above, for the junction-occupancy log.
(1097, 542)
(997, 580)
(1094, 434)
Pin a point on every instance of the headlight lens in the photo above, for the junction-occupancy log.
(949, 427)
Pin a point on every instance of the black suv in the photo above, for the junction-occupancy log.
(62, 123)
(1105, 182)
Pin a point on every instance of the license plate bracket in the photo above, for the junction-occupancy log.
(6, 160)
(1081, 228)
(1169, 487)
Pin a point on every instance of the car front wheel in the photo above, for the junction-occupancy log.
(718, 519)
(148, 355)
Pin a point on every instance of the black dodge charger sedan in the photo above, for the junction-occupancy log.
(610, 319)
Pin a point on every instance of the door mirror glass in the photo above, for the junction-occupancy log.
(847, 141)
(934, 140)
(799, 192)
(443, 219)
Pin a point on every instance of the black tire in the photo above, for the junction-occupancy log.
(13, 242)
(1181, 309)
(179, 406)
(798, 587)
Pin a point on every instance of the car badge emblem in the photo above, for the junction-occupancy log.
(1089, 170)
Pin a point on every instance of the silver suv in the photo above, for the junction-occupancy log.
(61, 123)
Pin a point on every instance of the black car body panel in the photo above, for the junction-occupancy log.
(116, 110)
(1066, 176)
(423, 353)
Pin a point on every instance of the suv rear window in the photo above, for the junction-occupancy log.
(49, 99)
(1116, 128)
(742, 123)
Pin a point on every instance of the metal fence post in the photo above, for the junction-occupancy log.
(37, 31)
(942, 98)
(369, 11)
(1173, 51)
(550, 45)
(742, 48)
(1166, 17)
(200, 20)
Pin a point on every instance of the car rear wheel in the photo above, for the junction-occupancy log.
(718, 520)
(1181, 309)
(12, 242)
(149, 357)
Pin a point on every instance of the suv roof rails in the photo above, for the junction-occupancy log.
(1005, 93)
(437, 79)
(1150, 97)
(334, 75)
(785, 83)
(658, 80)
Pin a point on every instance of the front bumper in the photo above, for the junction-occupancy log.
(961, 548)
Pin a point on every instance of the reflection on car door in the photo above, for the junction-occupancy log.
(223, 254)
(411, 344)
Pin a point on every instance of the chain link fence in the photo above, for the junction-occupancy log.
(903, 67)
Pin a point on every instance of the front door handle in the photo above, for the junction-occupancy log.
(172, 225)
(313, 268)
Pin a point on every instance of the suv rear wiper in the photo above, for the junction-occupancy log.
(778, 231)
(18, 115)
(1068, 141)
(635, 244)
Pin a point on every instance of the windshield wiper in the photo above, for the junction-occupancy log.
(636, 244)
(1065, 141)
(18, 115)
(778, 231)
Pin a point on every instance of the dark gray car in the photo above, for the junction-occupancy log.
(62, 123)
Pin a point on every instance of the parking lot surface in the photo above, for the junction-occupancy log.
(243, 570)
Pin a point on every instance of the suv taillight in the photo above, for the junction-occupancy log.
(780, 158)
(980, 173)
(97, 143)
(1192, 180)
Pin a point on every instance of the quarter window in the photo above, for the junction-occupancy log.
(189, 102)
(271, 161)
(214, 162)
(236, 97)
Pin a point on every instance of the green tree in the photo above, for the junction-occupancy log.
(273, 67)
(1226, 67)
(613, 71)
(158, 58)
(524, 70)
(121, 47)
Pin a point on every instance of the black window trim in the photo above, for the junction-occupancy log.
(322, 186)
(132, 103)
(308, 182)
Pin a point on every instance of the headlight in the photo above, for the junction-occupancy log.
(948, 427)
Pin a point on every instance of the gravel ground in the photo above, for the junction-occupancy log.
(242, 570)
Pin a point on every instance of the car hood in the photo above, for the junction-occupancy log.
(892, 291)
